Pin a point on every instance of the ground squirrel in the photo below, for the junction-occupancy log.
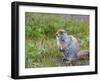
(69, 45)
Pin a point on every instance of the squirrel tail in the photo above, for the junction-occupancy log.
(84, 54)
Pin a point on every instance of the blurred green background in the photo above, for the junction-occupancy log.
(40, 39)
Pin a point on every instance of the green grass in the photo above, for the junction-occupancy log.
(40, 40)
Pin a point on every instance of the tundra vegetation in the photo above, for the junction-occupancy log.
(40, 39)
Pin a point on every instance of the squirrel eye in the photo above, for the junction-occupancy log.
(61, 32)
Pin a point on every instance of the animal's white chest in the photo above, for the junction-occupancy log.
(61, 45)
(58, 42)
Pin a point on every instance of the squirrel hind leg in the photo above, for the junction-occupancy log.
(74, 62)
(70, 63)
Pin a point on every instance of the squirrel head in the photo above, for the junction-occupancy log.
(62, 39)
(60, 33)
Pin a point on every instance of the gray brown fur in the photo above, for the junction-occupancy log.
(69, 45)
